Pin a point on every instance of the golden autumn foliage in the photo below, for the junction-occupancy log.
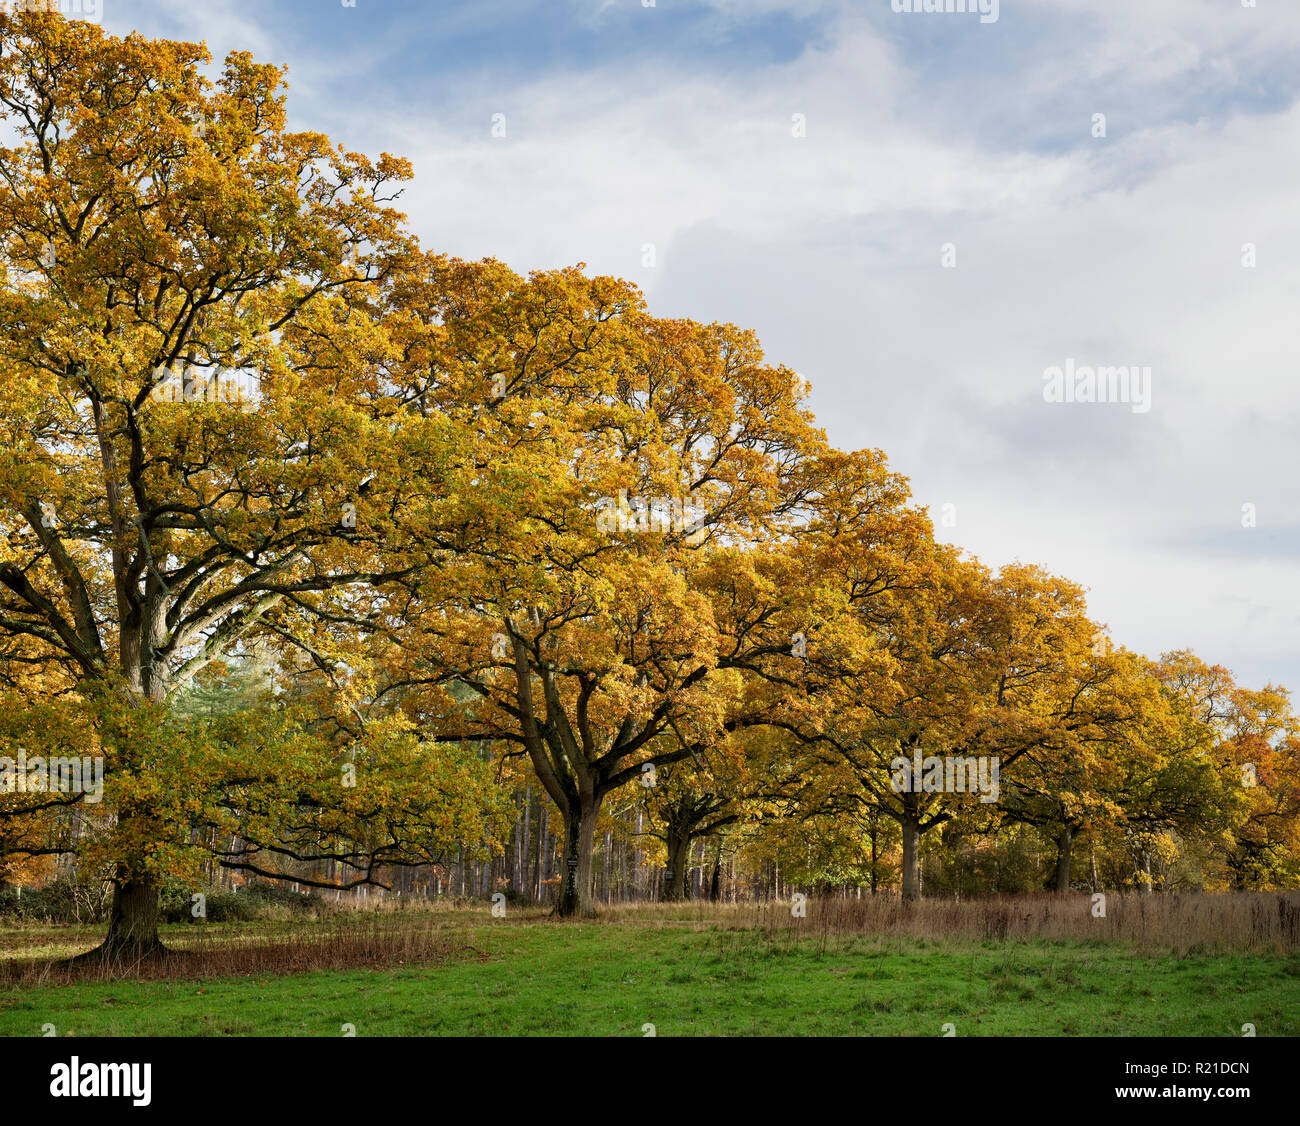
(453, 509)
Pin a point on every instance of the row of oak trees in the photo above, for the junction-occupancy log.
(458, 508)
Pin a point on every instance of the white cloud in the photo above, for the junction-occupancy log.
(1125, 250)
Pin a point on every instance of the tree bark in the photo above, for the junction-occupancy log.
(1063, 844)
(580, 836)
(678, 848)
(132, 925)
(543, 850)
(604, 867)
(1146, 871)
(911, 858)
(636, 855)
(526, 841)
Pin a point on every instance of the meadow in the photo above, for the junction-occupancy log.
(1176, 965)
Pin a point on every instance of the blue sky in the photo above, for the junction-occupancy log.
(672, 126)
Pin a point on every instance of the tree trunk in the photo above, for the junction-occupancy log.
(622, 864)
(543, 851)
(1063, 844)
(580, 836)
(132, 924)
(1146, 871)
(526, 841)
(715, 885)
(911, 858)
(604, 867)
(679, 849)
(516, 864)
(636, 855)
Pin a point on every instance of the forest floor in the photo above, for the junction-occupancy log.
(634, 973)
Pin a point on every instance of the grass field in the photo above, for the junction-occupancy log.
(683, 972)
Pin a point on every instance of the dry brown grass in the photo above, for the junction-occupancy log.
(1240, 922)
(1180, 924)
(247, 950)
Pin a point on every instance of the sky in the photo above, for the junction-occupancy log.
(921, 212)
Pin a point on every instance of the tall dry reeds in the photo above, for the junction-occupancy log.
(1237, 922)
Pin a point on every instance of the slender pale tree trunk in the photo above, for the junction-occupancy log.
(604, 867)
(526, 841)
(636, 855)
(1146, 871)
(543, 850)
(622, 866)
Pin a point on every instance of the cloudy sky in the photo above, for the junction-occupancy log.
(807, 168)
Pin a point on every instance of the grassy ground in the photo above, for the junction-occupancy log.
(528, 975)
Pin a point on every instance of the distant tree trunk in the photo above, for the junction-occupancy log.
(516, 846)
(715, 885)
(622, 863)
(543, 851)
(1146, 871)
(1063, 844)
(636, 855)
(605, 866)
(911, 826)
(526, 841)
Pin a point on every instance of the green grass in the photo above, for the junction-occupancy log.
(538, 977)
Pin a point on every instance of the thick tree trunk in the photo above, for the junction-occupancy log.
(911, 858)
(678, 848)
(575, 881)
(132, 925)
(1063, 845)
